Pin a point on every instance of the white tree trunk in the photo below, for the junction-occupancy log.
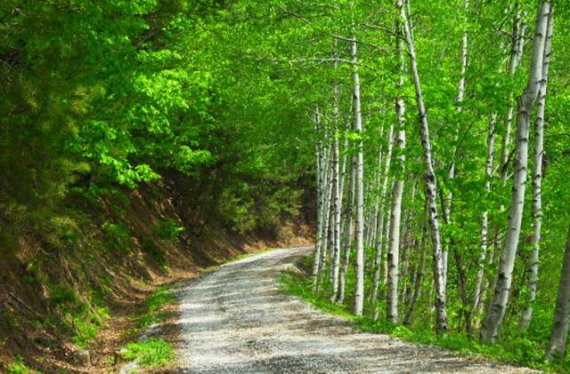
(359, 289)
(477, 293)
(381, 223)
(337, 197)
(393, 254)
(448, 201)
(430, 181)
(537, 183)
(320, 196)
(517, 47)
(348, 228)
(327, 215)
(496, 312)
(346, 219)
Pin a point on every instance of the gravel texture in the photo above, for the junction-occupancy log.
(235, 320)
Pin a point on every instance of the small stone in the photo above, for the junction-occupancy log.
(119, 356)
(290, 268)
(82, 357)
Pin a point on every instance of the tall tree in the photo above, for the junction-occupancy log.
(397, 188)
(537, 180)
(497, 310)
(430, 178)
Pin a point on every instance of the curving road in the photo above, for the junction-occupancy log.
(234, 320)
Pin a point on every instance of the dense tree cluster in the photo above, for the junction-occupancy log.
(434, 119)
(103, 95)
(437, 132)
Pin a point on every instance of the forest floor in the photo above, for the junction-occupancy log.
(236, 320)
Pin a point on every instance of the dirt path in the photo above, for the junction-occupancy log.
(234, 320)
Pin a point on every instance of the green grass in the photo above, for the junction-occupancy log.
(19, 367)
(154, 304)
(152, 352)
(520, 351)
(81, 322)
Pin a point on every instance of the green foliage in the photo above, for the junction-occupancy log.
(154, 304)
(152, 352)
(296, 285)
(168, 230)
(517, 349)
(81, 321)
(117, 235)
(19, 367)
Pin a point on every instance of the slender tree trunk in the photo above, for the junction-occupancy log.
(430, 181)
(417, 280)
(337, 199)
(381, 224)
(348, 228)
(448, 201)
(359, 290)
(327, 213)
(496, 312)
(477, 293)
(320, 197)
(537, 183)
(397, 193)
(559, 335)
(517, 47)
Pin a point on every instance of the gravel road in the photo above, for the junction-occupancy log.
(235, 320)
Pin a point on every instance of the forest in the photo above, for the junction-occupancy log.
(424, 143)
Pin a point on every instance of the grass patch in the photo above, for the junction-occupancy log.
(81, 321)
(152, 352)
(297, 285)
(153, 309)
(520, 352)
(19, 367)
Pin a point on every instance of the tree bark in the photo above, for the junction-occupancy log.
(320, 196)
(337, 198)
(537, 183)
(348, 228)
(430, 181)
(359, 289)
(517, 47)
(397, 193)
(478, 289)
(497, 310)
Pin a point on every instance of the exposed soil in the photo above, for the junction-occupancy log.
(34, 263)
(235, 320)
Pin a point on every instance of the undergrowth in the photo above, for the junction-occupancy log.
(152, 352)
(153, 312)
(81, 321)
(521, 351)
(19, 367)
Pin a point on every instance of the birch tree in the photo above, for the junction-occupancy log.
(430, 178)
(359, 291)
(537, 180)
(397, 190)
(497, 310)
